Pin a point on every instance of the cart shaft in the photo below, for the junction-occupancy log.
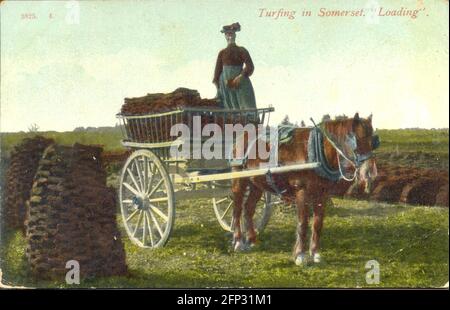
(242, 174)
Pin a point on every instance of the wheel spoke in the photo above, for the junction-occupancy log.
(152, 177)
(162, 199)
(159, 212)
(127, 201)
(132, 215)
(137, 224)
(156, 223)
(131, 189)
(150, 232)
(139, 172)
(144, 226)
(144, 189)
(130, 173)
(227, 209)
(154, 189)
(150, 181)
(221, 200)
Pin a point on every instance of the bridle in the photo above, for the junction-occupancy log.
(351, 142)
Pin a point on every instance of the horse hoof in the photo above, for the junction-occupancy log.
(300, 260)
(317, 258)
(239, 246)
(249, 245)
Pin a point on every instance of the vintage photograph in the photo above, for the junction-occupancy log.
(224, 144)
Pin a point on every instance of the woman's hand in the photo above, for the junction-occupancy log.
(234, 83)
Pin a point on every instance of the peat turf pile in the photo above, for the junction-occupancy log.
(71, 216)
(159, 102)
(19, 178)
(394, 184)
(411, 185)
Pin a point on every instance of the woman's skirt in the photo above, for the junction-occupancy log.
(242, 97)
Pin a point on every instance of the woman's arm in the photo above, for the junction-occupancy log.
(247, 71)
(249, 67)
(218, 69)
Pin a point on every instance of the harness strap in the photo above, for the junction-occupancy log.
(343, 174)
(338, 149)
(316, 154)
(271, 182)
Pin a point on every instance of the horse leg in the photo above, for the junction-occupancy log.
(250, 207)
(238, 188)
(319, 212)
(302, 228)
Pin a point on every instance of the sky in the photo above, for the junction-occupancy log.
(66, 64)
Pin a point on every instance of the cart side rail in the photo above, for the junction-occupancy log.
(153, 130)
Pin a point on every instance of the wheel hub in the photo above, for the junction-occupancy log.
(140, 203)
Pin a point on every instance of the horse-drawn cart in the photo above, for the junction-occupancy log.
(152, 179)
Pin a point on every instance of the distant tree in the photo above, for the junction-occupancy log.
(302, 124)
(286, 121)
(33, 128)
(341, 117)
(326, 117)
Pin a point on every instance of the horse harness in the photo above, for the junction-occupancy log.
(316, 154)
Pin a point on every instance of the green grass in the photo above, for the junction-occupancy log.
(110, 139)
(401, 140)
(410, 243)
(414, 140)
(414, 148)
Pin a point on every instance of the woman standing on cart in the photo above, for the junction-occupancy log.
(231, 75)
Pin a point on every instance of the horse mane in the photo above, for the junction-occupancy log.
(339, 126)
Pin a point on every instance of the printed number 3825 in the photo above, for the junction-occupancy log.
(28, 16)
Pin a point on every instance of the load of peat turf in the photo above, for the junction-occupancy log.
(159, 102)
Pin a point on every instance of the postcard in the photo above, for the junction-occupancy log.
(224, 144)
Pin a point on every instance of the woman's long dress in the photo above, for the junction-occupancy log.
(230, 63)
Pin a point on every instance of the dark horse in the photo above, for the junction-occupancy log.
(347, 142)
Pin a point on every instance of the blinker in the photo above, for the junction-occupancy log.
(351, 141)
(375, 142)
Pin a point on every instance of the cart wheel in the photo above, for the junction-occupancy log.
(223, 208)
(147, 201)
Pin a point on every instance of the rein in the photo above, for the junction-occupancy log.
(355, 163)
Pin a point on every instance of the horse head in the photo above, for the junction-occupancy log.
(354, 141)
(365, 142)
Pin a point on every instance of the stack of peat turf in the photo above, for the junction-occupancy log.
(72, 216)
(19, 178)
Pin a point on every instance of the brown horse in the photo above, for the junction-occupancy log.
(347, 142)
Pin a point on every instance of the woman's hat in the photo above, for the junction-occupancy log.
(235, 27)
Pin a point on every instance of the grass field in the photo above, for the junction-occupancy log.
(414, 140)
(399, 140)
(110, 138)
(410, 243)
(414, 147)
